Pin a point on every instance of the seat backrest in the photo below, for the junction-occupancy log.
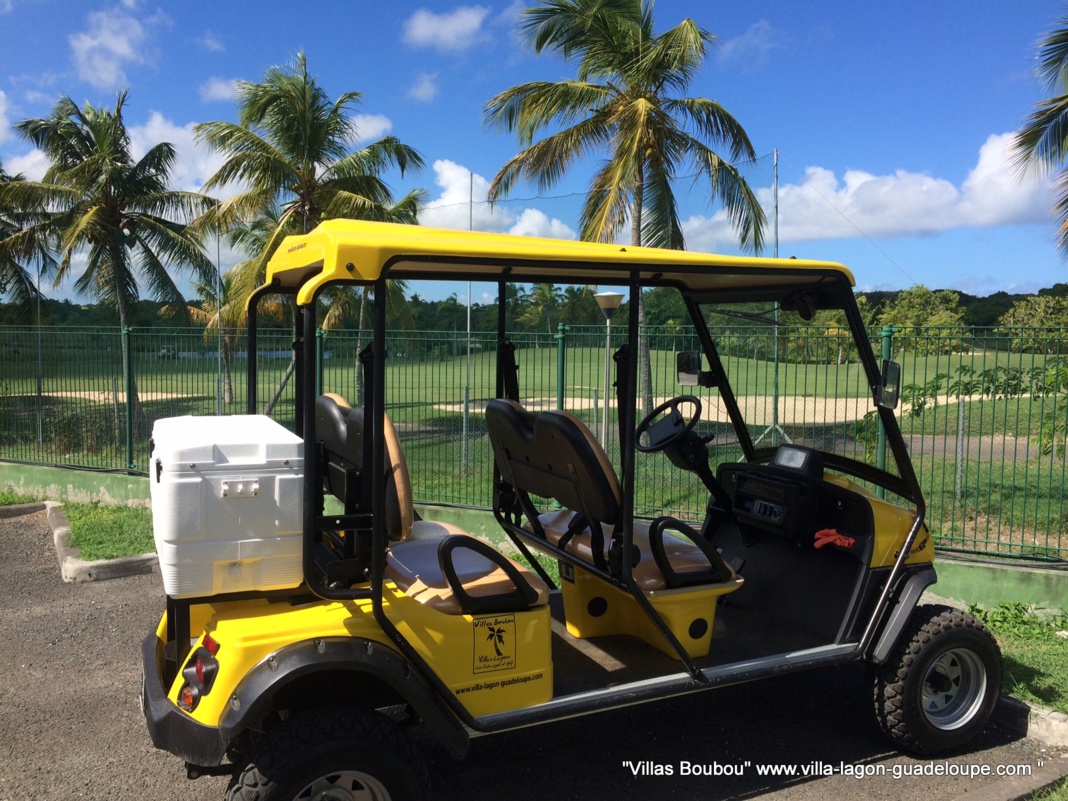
(340, 428)
(553, 455)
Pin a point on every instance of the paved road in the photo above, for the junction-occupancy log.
(70, 726)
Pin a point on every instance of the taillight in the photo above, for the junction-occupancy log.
(199, 674)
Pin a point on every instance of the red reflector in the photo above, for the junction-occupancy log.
(211, 645)
(200, 670)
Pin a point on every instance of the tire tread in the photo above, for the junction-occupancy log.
(890, 681)
(285, 747)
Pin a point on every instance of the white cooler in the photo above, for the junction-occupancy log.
(227, 498)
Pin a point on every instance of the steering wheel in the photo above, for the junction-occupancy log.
(669, 430)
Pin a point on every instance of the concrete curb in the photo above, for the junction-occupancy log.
(1048, 726)
(75, 569)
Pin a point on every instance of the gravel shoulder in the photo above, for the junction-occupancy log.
(70, 671)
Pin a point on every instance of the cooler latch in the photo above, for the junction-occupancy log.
(241, 488)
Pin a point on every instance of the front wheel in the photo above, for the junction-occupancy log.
(333, 754)
(939, 686)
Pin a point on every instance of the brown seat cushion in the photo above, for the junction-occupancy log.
(414, 567)
(683, 555)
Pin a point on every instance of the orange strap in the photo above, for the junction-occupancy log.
(830, 536)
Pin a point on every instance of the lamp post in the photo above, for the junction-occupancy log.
(608, 303)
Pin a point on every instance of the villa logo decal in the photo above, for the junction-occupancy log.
(494, 643)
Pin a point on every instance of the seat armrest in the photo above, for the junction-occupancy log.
(523, 597)
(718, 571)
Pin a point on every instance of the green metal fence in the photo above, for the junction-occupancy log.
(983, 412)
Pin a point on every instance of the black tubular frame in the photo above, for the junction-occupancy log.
(692, 677)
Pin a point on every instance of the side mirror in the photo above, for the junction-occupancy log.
(890, 385)
(688, 369)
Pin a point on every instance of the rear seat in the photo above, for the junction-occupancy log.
(553, 455)
(422, 552)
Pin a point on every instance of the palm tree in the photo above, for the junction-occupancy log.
(579, 307)
(623, 103)
(1042, 142)
(543, 308)
(97, 199)
(219, 315)
(16, 278)
(291, 149)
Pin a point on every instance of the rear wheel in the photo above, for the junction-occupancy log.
(940, 684)
(336, 754)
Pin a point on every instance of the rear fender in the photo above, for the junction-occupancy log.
(351, 657)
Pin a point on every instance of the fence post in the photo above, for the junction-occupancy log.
(561, 361)
(887, 336)
(127, 369)
(318, 362)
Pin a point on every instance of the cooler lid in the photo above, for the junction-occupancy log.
(182, 444)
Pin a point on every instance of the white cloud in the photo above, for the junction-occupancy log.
(994, 194)
(218, 89)
(898, 205)
(425, 87)
(195, 162)
(32, 166)
(753, 46)
(113, 40)
(210, 42)
(534, 222)
(371, 127)
(5, 124)
(453, 207)
(452, 31)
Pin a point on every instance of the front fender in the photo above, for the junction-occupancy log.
(914, 585)
(252, 699)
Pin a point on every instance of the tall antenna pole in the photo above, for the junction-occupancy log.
(467, 385)
(775, 194)
(775, 428)
(218, 311)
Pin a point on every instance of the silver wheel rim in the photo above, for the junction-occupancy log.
(346, 785)
(953, 688)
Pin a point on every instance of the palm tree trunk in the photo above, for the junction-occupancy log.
(645, 373)
(356, 356)
(228, 383)
(277, 394)
(129, 377)
(290, 368)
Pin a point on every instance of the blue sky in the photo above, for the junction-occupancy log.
(892, 120)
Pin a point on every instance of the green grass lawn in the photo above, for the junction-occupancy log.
(1035, 655)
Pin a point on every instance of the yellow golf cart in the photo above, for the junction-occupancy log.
(314, 615)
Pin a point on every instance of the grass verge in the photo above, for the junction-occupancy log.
(1058, 792)
(9, 497)
(1034, 648)
(108, 532)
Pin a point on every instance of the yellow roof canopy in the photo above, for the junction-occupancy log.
(359, 251)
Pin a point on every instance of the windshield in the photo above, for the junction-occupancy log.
(796, 378)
